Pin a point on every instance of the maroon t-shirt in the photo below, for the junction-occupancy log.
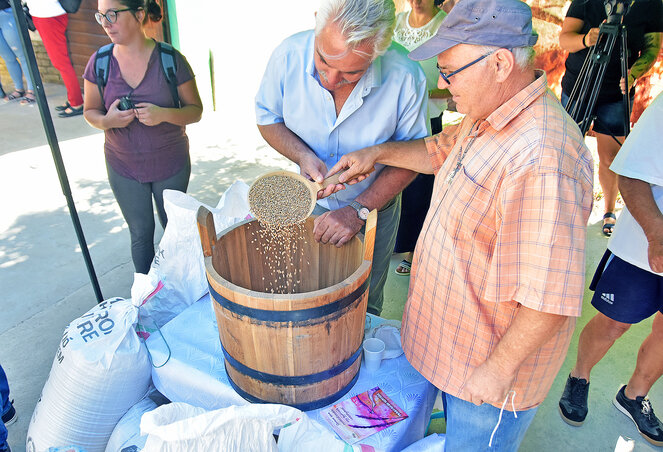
(140, 152)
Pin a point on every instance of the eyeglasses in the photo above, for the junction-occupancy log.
(110, 15)
(446, 76)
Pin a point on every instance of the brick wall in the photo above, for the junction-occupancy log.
(48, 73)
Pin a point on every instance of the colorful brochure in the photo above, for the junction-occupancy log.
(362, 415)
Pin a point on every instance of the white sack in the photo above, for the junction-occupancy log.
(179, 427)
(306, 435)
(126, 435)
(178, 261)
(101, 369)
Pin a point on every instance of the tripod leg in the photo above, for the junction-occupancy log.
(625, 98)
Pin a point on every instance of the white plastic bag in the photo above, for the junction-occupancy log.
(101, 369)
(307, 435)
(179, 427)
(178, 261)
(126, 435)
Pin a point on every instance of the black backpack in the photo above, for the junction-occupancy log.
(166, 57)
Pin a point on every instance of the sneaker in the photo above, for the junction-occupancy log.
(642, 415)
(10, 416)
(573, 404)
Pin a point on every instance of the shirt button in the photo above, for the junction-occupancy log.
(331, 155)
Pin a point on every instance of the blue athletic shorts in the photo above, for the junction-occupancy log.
(609, 117)
(624, 292)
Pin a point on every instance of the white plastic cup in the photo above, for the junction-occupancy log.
(373, 351)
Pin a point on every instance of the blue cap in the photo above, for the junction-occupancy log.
(500, 23)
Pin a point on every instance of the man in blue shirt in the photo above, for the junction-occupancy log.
(333, 90)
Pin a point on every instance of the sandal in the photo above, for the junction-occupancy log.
(608, 227)
(29, 98)
(16, 95)
(63, 107)
(71, 111)
(404, 268)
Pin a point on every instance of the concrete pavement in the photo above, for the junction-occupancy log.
(43, 276)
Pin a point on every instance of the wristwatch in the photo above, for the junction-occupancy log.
(362, 211)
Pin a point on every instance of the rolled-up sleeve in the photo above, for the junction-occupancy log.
(439, 146)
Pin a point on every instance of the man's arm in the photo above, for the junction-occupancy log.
(640, 201)
(339, 226)
(411, 155)
(491, 381)
(646, 59)
(390, 182)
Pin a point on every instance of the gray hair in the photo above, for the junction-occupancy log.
(360, 21)
(523, 56)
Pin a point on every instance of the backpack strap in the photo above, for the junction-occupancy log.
(101, 65)
(169, 66)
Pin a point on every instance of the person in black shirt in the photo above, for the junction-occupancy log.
(580, 31)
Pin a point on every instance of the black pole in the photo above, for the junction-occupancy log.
(47, 120)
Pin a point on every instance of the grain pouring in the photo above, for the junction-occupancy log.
(281, 201)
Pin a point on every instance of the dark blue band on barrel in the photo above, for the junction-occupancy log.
(300, 315)
(302, 406)
(285, 380)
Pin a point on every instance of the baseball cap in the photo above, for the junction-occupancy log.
(501, 23)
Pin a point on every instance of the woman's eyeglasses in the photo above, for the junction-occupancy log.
(110, 15)
(446, 76)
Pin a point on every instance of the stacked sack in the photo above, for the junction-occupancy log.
(101, 369)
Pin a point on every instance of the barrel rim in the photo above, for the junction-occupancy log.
(213, 277)
(364, 267)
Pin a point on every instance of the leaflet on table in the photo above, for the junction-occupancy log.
(362, 415)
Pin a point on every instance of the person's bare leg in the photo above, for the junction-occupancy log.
(607, 149)
(649, 366)
(595, 340)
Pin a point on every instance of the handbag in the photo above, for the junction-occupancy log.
(28, 18)
(71, 6)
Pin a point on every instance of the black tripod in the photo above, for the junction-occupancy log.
(586, 89)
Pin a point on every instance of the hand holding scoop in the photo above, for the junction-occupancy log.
(282, 198)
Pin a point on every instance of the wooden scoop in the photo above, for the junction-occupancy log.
(290, 205)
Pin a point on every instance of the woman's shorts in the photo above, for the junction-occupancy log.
(609, 117)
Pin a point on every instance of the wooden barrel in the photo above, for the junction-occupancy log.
(301, 347)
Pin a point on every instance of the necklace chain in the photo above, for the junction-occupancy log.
(461, 155)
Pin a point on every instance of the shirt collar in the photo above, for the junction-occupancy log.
(523, 99)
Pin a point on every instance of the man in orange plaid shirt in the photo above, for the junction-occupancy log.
(499, 269)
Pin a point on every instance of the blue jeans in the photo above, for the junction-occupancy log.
(11, 50)
(4, 403)
(469, 427)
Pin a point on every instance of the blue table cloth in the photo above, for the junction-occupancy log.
(194, 373)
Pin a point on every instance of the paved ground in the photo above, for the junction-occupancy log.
(45, 284)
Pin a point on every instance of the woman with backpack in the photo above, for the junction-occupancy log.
(129, 96)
